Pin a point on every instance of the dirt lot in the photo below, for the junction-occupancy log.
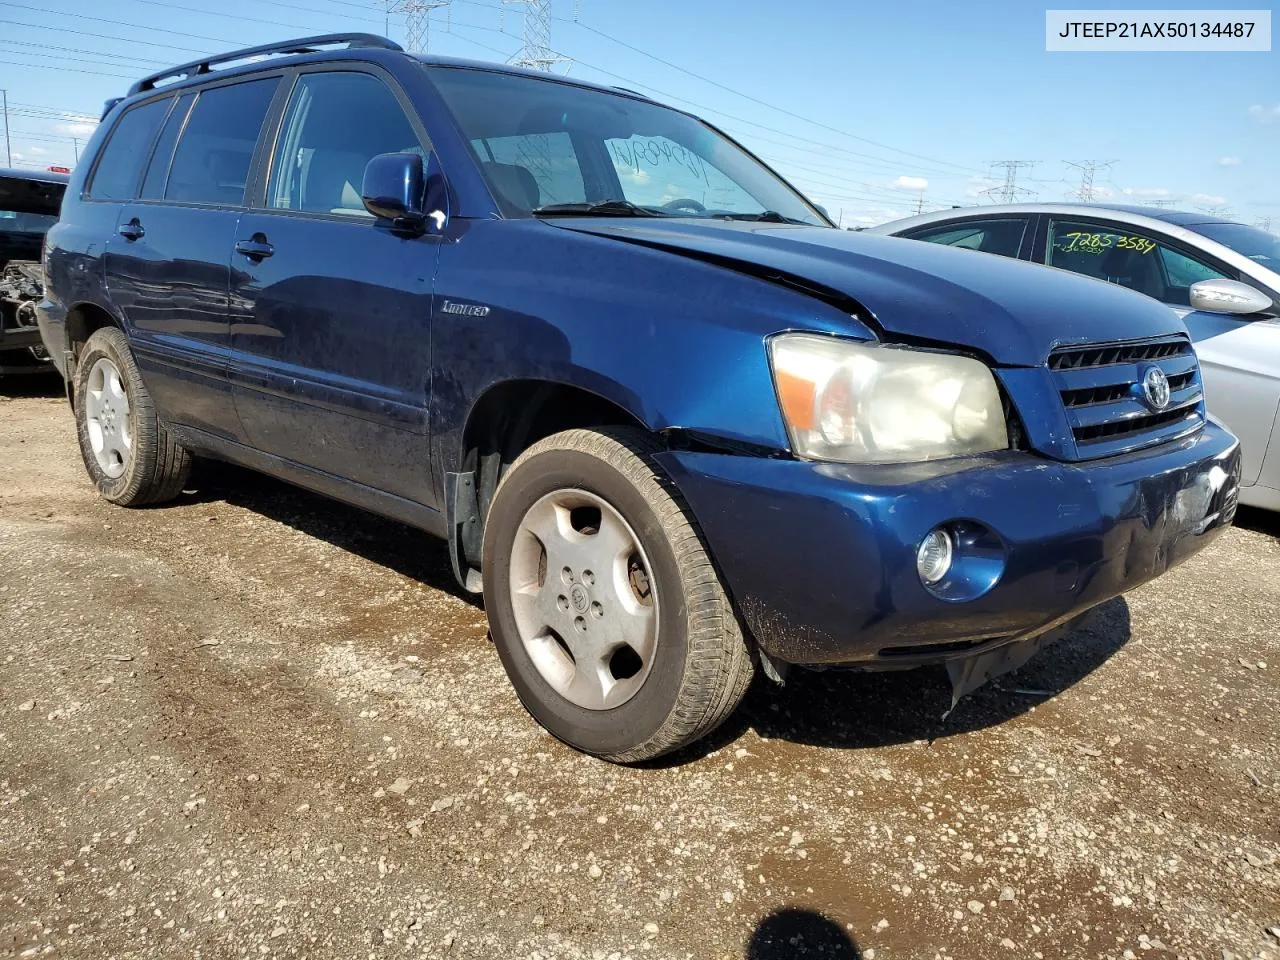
(260, 724)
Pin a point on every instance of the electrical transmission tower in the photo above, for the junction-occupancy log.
(417, 21)
(1159, 203)
(1264, 224)
(1009, 191)
(536, 54)
(1087, 168)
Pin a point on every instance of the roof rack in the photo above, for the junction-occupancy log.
(303, 45)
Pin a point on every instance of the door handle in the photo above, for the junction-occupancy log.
(256, 248)
(132, 230)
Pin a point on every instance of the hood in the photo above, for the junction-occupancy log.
(1012, 312)
(38, 193)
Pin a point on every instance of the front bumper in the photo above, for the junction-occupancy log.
(821, 558)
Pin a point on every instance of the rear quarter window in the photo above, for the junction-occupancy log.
(120, 167)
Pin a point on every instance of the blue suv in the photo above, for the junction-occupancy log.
(674, 425)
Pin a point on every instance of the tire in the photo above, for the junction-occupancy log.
(135, 461)
(698, 664)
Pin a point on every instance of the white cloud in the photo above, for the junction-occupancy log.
(1265, 114)
(78, 128)
(1206, 200)
(39, 151)
(1150, 193)
(910, 183)
(1229, 162)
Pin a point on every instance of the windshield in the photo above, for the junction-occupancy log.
(542, 144)
(1256, 244)
(11, 221)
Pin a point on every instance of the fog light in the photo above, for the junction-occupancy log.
(933, 559)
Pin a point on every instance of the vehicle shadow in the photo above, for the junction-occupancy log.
(1259, 521)
(409, 552)
(857, 710)
(795, 932)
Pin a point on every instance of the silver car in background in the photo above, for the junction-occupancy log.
(1222, 278)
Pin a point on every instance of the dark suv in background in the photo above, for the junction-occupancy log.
(674, 424)
(29, 202)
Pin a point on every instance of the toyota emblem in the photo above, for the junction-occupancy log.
(1155, 387)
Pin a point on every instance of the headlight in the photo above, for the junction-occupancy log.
(859, 402)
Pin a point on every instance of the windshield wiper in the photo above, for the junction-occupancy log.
(604, 208)
(765, 216)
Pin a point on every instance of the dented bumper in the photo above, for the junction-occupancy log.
(821, 558)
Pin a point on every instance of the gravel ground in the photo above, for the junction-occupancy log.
(256, 723)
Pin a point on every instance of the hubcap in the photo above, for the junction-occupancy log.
(107, 417)
(583, 599)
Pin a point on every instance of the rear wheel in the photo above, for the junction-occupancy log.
(127, 451)
(605, 608)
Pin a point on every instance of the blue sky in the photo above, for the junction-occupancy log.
(859, 103)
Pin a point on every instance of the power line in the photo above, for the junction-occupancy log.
(62, 69)
(94, 53)
(125, 23)
(229, 16)
(843, 151)
(101, 36)
(45, 59)
(724, 87)
(764, 103)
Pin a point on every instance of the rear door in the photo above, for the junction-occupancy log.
(1239, 357)
(168, 266)
(331, 338)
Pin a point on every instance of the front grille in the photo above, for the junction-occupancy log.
(1102, 393)
(1074, 358)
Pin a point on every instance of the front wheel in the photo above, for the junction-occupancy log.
(609, 617)
(127, 451)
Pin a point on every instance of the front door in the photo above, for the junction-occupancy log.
(331, 310)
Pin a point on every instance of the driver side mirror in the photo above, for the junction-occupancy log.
(1229, 297)
(394, 189)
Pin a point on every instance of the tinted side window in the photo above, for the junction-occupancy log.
(1129, 258)
(211, 164)
(336, 123)
(158, 170)
(1003, 237)
(120, 167)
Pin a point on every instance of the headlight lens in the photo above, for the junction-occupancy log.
(856, 402)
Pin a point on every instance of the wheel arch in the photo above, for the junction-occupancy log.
(83, 320)
(504, 420)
